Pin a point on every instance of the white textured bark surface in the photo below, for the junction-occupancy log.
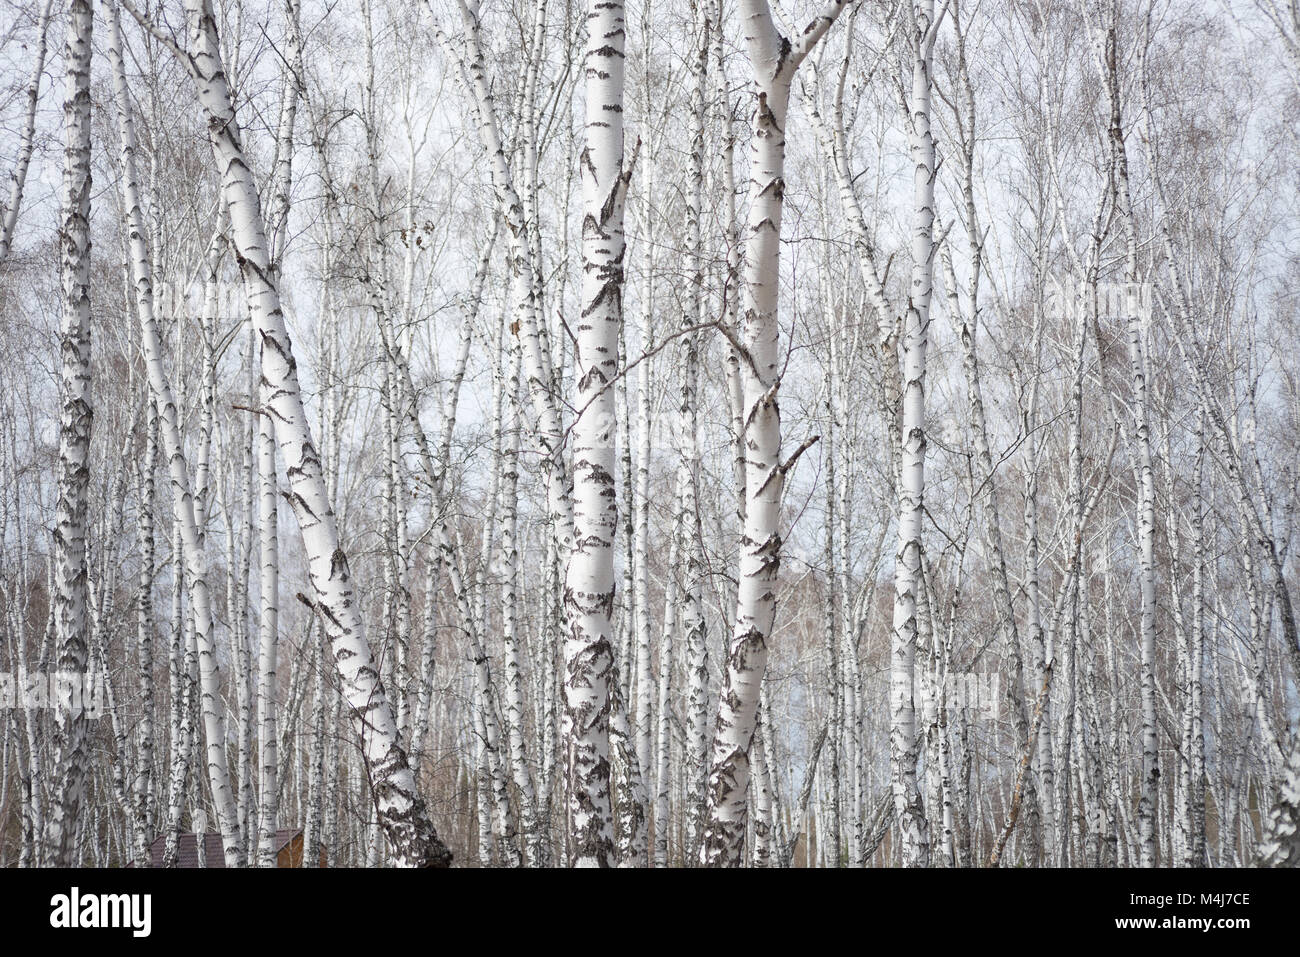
(773, 60)
(268, 642)
(1136, 331)
(903, 746)
(589, 582)
(688, 467)
(70, 612)
(1280, 846)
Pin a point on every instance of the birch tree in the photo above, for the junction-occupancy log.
(773, 59)
(922, 32)
(397, 801)
(70, 614)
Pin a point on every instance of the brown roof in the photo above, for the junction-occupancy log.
(187, 848)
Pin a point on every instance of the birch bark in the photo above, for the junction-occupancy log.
(773, 59)
(589, 582)
(1146, 477)
(71, 617)
(913, 827)
(400, 807)
(687, 510)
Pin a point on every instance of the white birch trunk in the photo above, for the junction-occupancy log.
(913, 827)
(687, 512)
(399, 805)
(71, 618)
(773, 60)
(1135, 325)
(268, 640)
(589, 583)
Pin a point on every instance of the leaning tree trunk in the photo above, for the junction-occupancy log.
(183, 508)
(399, 806)
(539, 368)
